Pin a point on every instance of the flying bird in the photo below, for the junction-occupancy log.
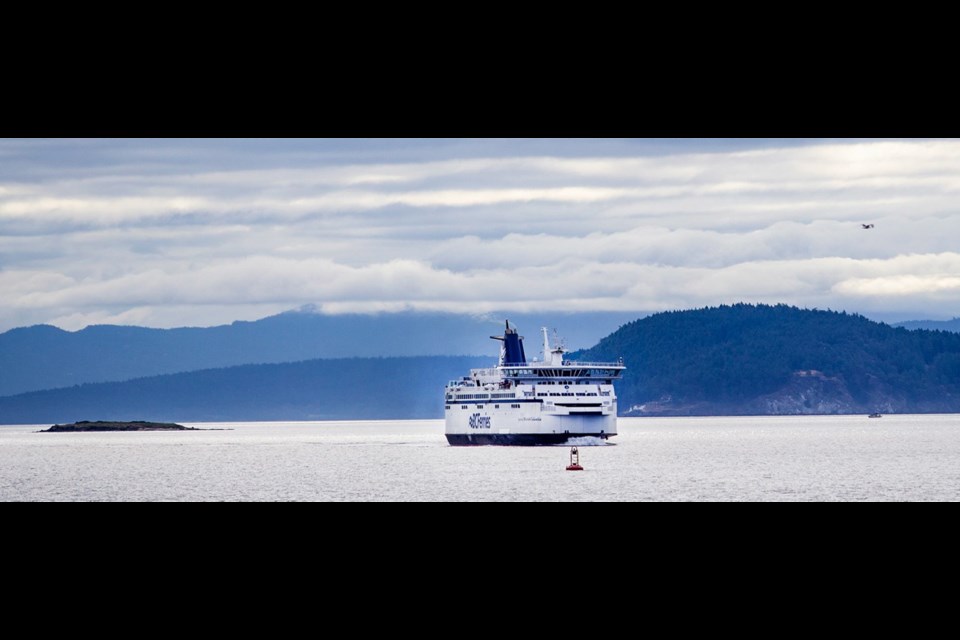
(867, 226)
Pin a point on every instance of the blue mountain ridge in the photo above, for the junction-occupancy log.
(931, 325)
(45, 357)
(728, 360)
(335, 389)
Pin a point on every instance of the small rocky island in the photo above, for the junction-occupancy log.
(137, 425)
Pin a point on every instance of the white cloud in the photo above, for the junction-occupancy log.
(567, 284)
(133, 236)
(166, 315)
(902, 285)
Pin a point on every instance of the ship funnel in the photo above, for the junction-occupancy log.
(512, 346)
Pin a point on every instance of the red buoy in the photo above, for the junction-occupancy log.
(574, 460)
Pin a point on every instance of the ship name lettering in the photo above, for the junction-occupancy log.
(479, 422)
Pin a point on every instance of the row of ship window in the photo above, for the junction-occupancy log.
(480, 406)
(481, 396)
(566, 394)
(495, 396)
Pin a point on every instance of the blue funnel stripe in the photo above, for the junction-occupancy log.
(514, 348)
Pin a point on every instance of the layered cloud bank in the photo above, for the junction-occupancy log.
(199, 232)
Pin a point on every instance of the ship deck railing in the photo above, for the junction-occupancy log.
(579, 370)
(571, 364)
(543, 371)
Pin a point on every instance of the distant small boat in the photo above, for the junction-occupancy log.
(874, 415)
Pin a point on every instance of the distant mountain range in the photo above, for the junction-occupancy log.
(747, 359)
(347, 389)
(45, 357)
(728, 360)
(931, 325)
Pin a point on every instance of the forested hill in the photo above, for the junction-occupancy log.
(760, 359)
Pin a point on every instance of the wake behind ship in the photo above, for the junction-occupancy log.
(528, 403)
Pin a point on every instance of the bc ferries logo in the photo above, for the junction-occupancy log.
(479, 422)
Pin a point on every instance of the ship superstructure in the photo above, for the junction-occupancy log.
(537, 402)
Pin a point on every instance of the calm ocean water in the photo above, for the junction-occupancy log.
(827, 458)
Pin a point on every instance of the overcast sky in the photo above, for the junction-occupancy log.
(169, 233)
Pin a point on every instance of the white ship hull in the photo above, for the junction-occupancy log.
(527, 426)
(521, 403)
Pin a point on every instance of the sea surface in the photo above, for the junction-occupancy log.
(803, 458)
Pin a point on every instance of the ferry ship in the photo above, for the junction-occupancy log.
(530, 403)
